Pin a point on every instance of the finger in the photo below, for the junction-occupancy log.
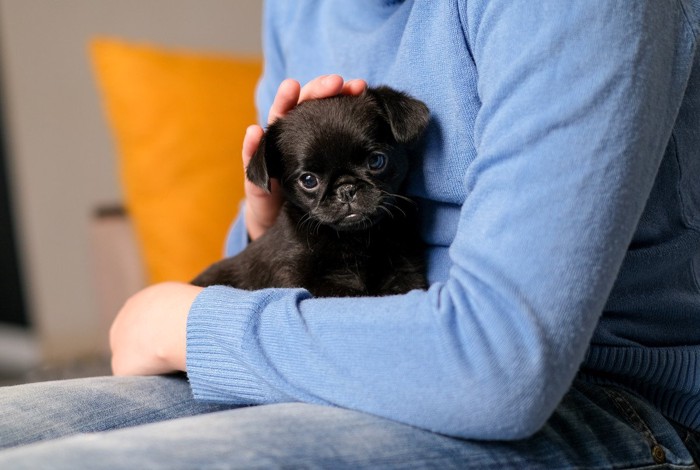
(321, 87)
(354, 87)
(261, 208)
(286, 98)
(251, 141)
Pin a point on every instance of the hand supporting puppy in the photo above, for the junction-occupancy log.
(148, 336)
(262, 207)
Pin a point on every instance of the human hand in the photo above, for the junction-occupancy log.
(262, 207)
(148, 336)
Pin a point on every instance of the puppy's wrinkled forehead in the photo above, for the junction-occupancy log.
(339, 127)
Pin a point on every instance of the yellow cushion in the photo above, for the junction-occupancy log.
(178, 119)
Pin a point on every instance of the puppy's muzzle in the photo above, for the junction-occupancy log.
(346, 192)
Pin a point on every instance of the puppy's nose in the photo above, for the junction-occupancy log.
(346, 192)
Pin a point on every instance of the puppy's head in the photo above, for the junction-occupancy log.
(341, 160)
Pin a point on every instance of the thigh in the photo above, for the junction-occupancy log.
(48, 410)
(691, 439)
(594, 427)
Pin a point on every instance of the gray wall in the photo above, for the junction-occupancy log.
(62, 161)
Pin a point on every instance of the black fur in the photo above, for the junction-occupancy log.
(352, 234)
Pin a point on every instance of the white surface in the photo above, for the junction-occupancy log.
(61, 156)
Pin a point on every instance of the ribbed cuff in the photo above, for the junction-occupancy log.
(216, 327)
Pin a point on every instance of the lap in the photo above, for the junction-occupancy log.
(49, 410)
(594, 427)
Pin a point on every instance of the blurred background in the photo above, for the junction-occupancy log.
(57, 157)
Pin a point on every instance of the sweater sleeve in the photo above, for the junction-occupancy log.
(577, 104)
(237, 236)
(273, 74)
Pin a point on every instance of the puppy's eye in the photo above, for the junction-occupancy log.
(308, 181)
(376, 161)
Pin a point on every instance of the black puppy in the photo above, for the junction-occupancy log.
(343, 229)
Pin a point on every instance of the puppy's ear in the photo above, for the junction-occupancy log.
(266, 161)
(407, 116)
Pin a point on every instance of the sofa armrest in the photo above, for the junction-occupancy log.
(117, 266)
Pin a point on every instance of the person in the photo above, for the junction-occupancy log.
(559, 191)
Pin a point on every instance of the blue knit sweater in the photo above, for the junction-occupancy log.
(559, 187)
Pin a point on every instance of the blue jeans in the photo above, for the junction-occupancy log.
(153, 422)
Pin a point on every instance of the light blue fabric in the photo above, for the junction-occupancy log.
(594, 427)
(559, 192)
(559, 187)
